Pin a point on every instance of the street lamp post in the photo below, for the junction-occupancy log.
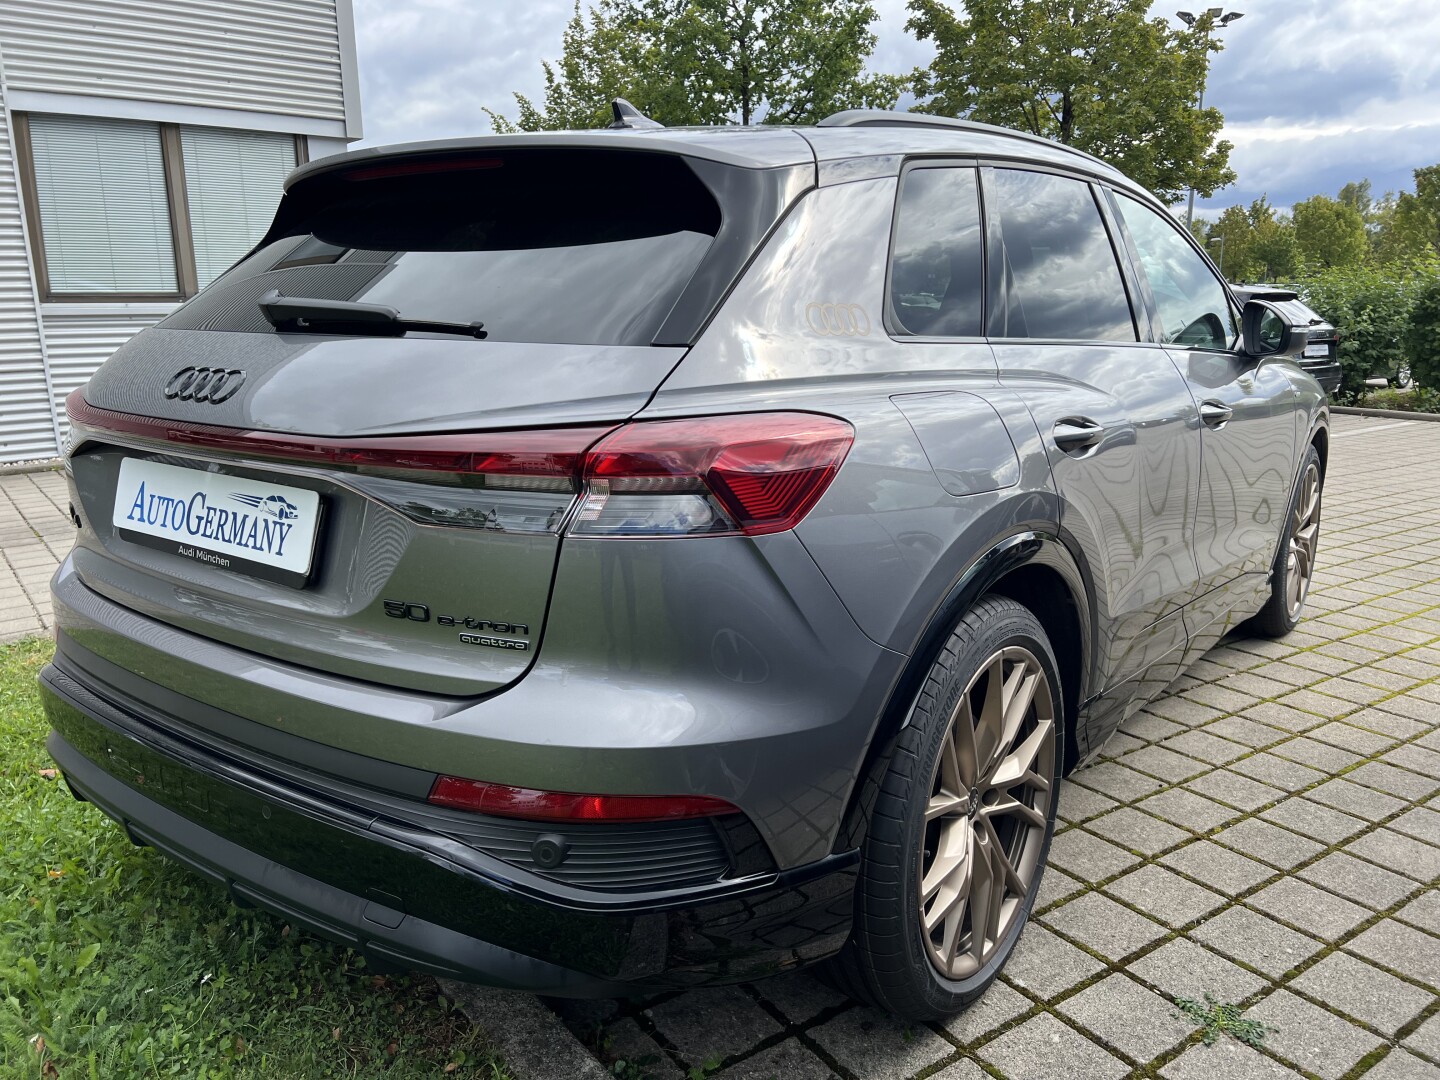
(1221, 241)
(1224, 18)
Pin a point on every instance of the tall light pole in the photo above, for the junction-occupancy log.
(1223, 18)
(1221, 241)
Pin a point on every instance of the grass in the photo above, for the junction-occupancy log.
(116, 963)
(1217, 1019)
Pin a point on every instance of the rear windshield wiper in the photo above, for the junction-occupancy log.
(309, 315)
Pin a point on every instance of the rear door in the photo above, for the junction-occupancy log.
(1118, 419)
(388, 508)
(1248, 411)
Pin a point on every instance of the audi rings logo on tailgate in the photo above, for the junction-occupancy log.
(205, 385)
(838, 320)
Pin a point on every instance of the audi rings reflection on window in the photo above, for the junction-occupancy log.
(203, 384)
(838, 320)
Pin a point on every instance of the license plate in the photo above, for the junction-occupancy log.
(229, 522)
(1322, 350)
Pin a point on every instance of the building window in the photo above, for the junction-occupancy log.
(131, 210)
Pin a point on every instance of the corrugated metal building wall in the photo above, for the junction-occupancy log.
(284, 66)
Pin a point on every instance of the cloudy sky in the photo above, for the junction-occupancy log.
(1315, 92)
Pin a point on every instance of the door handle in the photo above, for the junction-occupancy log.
(1076, 433)
(1215, 414)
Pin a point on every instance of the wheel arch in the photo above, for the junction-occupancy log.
(1027, 567)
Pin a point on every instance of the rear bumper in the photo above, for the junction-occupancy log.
(406, 897)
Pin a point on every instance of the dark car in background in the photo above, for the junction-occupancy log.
(1321, 357)
(613, 560)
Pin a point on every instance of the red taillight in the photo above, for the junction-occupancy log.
(752, 473)
(502, 800)
(747, 473)
(541, 455)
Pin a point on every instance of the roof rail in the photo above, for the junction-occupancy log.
(885, 118)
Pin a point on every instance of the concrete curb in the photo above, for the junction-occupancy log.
(531, 1038)
(1388, 414)
(41, 465)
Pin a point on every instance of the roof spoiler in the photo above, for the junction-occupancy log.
(628, 116)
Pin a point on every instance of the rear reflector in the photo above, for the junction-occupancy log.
(501, 800)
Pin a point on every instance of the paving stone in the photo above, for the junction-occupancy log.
(1164, 895)
(1279, 773)
(1313, 910)
(1251, 938)
(1078, 803)
(1363, 882)
(717, 1023)
(1387, 723)
(1403, 1065)
(1416, 759)
(1043, 1048)
(998, 1005)
(1120, 744)
(1357, 989)
(960, 1070)
(1205, 747)
(1054, 887)
(1181, 968)
(1355, 799)
(1187, 809)
(1104, 926)
(1426, 1038)
(1182, 710)
(872, 1045)
(1115, 780)
(1088, 857)
(1243, 730)
(1421, 822)
(1398, 852)
(1239, 791)
(1315, 820)
(1349, 737)
(799, 995)
(1399, 782)
(787, 1061)
(625, 1041)
(1046, 964)
(1128, 1017)
(1351, 690)
(1284, 717)
(1226, 1060)
(1318, 755)
(1150, 728)
(1319, 704)
(1310, 1037)
(1217, 697)
(1413, 706)
(1218, 867)
(1165, 763)
(1401, 948)
(1269, 843)
(1138, 832)
(1423, 911)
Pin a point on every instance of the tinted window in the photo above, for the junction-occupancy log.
(1054, 275)
(937, 266)
(1193, 305)
(546, 246)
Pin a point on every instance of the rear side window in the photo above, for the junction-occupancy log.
(589, 247)
(1054, 275)
(937, 260)
(1194, 307)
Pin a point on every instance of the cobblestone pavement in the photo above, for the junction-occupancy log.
(1267, 834)
(35, 534)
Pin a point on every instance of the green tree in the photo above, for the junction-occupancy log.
(1329, 232)
(1259, 243)
(1422, 336)
(712, 62)
(1094, 74)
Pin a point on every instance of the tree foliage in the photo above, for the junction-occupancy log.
(711, 62)
(1330, 232)
(1422, 336)
(1259, 243)
(1094, 74)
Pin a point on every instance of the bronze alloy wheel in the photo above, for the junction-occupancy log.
(1303, 539)
(986, 819)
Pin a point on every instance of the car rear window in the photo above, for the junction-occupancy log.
(539, 245)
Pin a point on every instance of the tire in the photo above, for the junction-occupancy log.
(1402, 377)
(891, 961)
(1295, 557)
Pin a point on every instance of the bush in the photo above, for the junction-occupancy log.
(1371, 307)
(1421, 399)
(1422, 336)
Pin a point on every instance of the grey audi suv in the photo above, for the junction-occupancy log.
(631, 559)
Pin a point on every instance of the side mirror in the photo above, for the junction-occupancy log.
(1265, 331)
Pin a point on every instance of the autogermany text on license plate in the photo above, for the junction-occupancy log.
(247, 526)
